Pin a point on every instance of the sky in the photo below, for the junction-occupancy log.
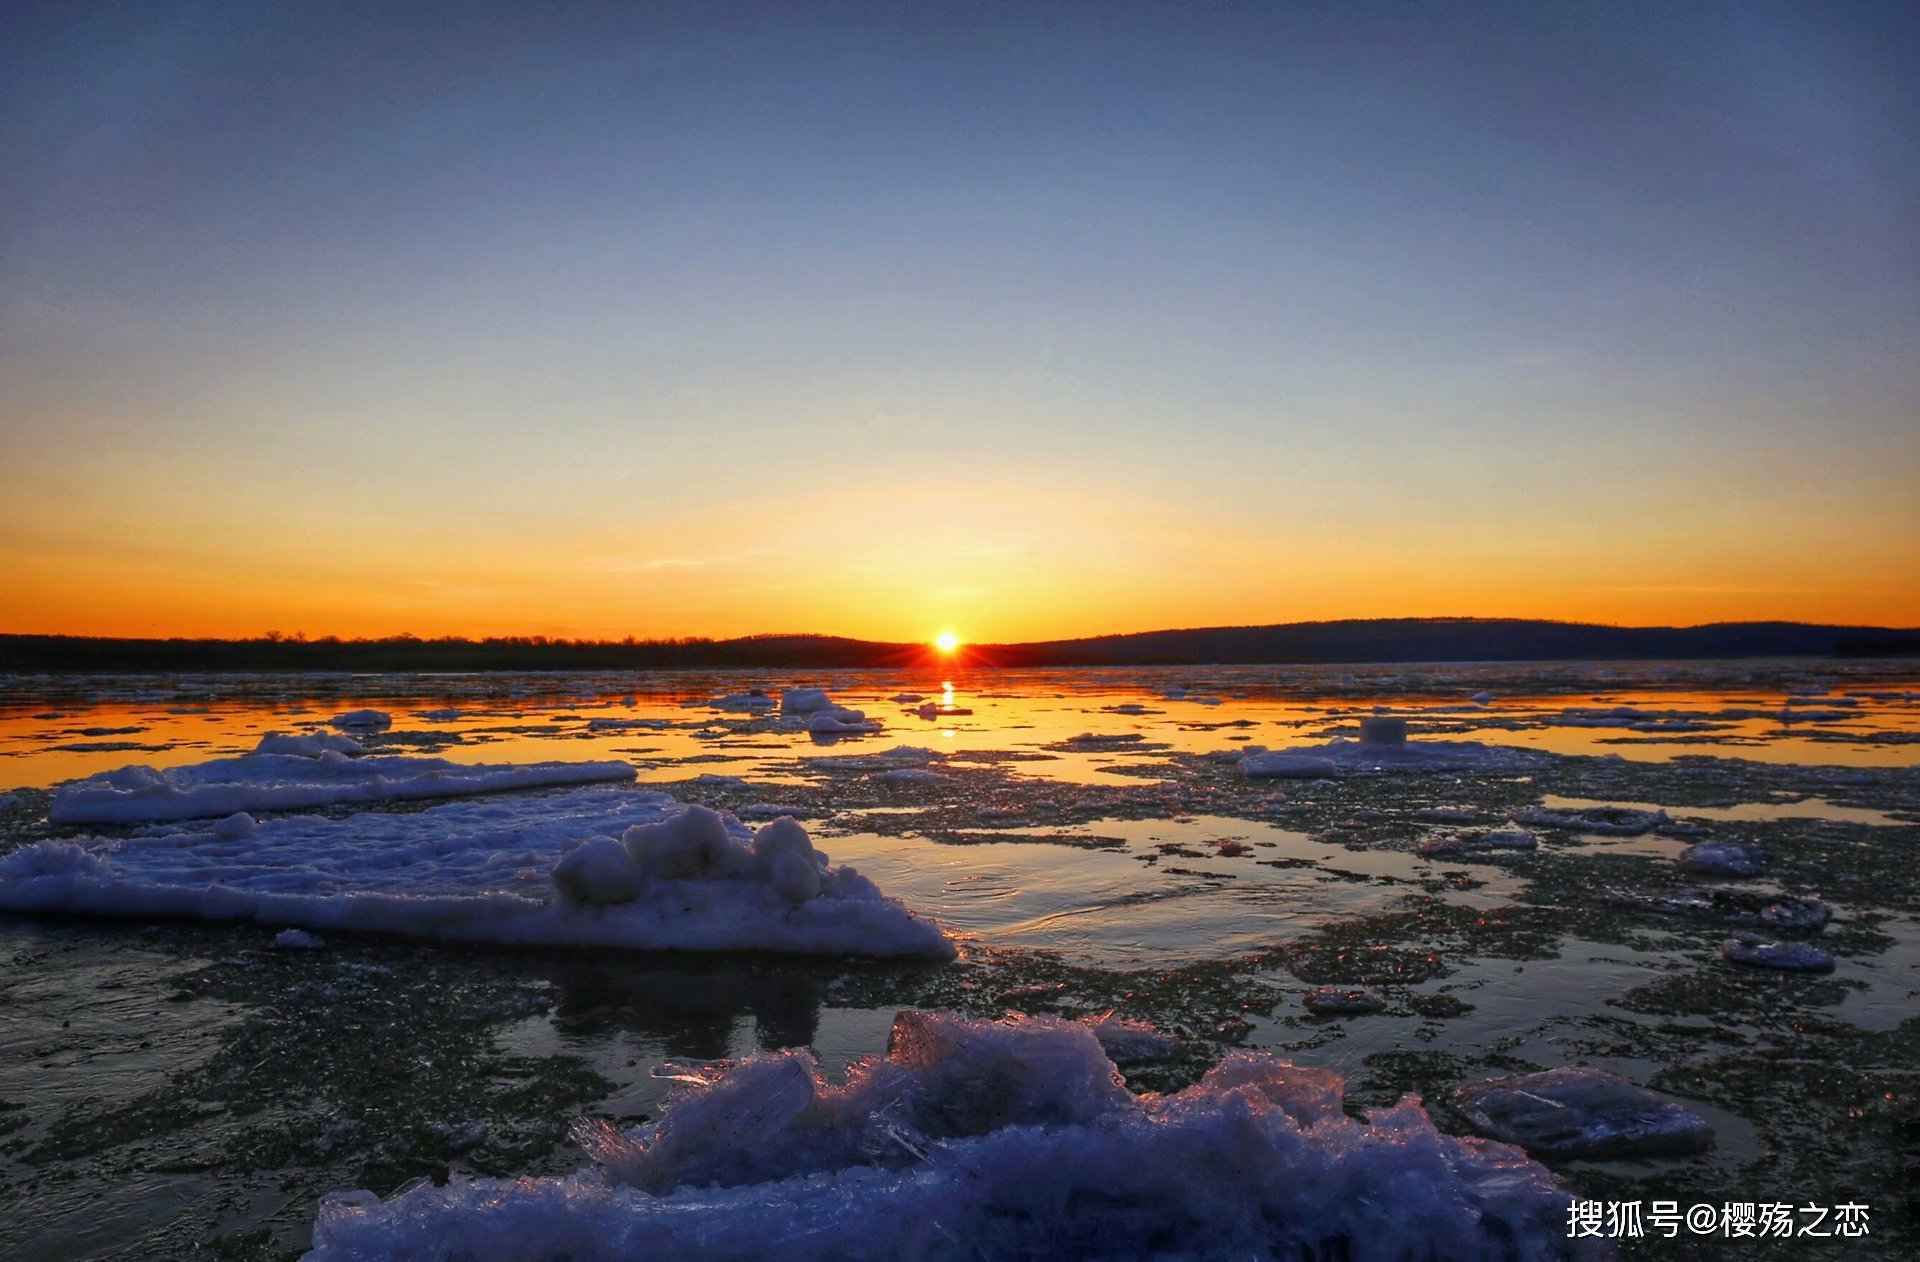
(1023, 321)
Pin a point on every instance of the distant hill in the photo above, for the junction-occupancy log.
(1353, 640)
(1456, 640)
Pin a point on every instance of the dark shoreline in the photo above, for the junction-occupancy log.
(1299, 643)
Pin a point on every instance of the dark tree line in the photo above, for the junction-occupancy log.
(1368, 640)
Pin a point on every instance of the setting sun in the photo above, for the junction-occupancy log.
(946, 642)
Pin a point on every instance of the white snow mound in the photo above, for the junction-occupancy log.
(972, 1140)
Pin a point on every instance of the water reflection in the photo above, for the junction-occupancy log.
(693, 1007)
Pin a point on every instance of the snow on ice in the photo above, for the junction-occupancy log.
(988, 1139)
(300, 772)
(608, 867)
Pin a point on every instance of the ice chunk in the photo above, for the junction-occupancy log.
(553, 869)
(1492, 839)
(1342, 1001)
(363, 721)
(1573, 1113)
(975, 1140)
(296, 940)
(1723, 858)
(1761, 952)
(294, 781)
(1795, 915)
(804, 700)
(838, 722)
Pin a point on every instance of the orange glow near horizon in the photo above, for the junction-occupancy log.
(946, 643)
(1021, 558)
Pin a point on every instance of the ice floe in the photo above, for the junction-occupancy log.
(1342, 1001)
(804, 700)
(1724, 858)
(1759, 951)
(363, 721)
(1490, 839)
(835, 721)
(1795, 915)
(1574, 1113)
(1383, 755)
(586, 867)
(296, 773)
(989, 1140)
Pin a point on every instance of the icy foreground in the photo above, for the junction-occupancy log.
(971, 1139)
(287, 773)
(604, 867)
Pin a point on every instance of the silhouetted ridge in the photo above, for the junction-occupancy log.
(1353, 640)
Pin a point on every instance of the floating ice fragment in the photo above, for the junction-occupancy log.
(1492, 839)
(1723, 858)
(838, 722)
(1760, 952)
(309, 745)
(1795, 915)
(1342, 1001)
(296, 940)
(1575, 1113)
(282, 781)
(804, 700)
(363, 721)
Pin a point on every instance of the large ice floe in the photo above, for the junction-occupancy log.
(987, 1140)
(605, 867)
(1340, 757)
(286, 773)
